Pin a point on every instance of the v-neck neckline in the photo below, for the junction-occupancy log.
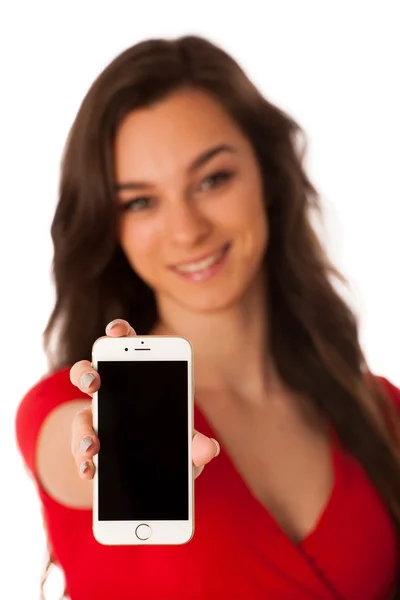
(262, 512)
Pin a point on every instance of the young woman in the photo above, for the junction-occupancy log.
(185, 209)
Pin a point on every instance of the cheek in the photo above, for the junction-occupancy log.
(140, 242)
(254, 217)
(256, 237)
(245, 217)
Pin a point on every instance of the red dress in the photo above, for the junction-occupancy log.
(238, 551)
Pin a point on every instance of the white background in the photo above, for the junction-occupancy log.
(333, 65)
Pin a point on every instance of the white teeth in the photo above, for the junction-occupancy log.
(201, 265)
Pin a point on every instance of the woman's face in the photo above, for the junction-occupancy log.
(189, 190)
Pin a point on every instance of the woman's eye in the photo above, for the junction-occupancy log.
(216, 180)
(137, 204)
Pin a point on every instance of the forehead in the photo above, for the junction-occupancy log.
(175, 130)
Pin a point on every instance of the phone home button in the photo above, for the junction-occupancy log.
(143, 532)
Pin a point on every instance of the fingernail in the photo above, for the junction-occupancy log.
(218, 447)
(197, 471)
(113, 324)
(87, 380)
(85, 443)
(84, 467)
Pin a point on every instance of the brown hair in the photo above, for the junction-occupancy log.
(313, 333)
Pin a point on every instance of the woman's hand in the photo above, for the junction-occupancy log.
(85, 444)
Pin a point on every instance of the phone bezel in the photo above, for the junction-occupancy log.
(145, 348)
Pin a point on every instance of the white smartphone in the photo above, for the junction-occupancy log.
(143, 490)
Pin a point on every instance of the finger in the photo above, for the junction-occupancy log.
(204, 449)
(120, 328)
(85, 377)
(84, 442)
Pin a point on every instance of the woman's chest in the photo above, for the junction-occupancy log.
(284, 459)
(240, 552)
(240, 548)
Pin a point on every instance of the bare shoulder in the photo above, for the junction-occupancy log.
(55, 464)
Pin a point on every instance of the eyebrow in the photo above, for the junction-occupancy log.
(196, 164)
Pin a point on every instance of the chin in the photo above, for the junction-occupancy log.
(210, 301)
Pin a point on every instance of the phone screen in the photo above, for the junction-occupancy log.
(143, 432)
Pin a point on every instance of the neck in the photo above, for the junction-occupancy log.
(230, 346)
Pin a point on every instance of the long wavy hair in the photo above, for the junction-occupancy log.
(313, 332)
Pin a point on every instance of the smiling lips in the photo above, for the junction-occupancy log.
(204, 268)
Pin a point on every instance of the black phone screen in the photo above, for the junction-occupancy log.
(143, 432)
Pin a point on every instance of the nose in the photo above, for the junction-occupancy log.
(186, 225)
